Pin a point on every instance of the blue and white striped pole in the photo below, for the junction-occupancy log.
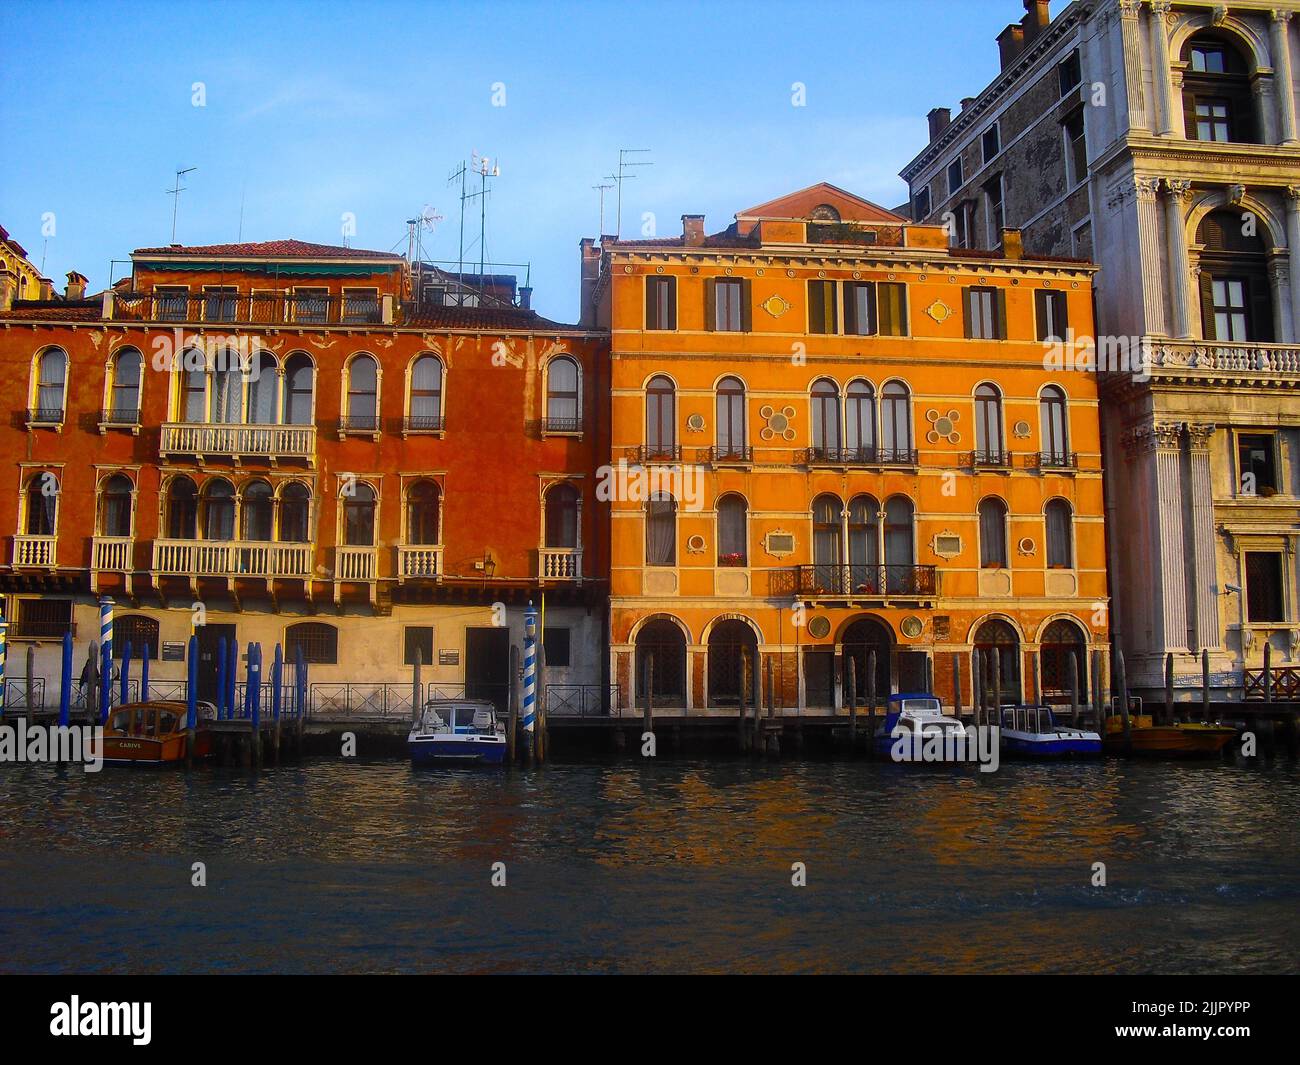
(529, 716)
(4, 638)
(105, 657)
(106, 623)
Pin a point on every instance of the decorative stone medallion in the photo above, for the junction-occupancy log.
(778, 423)
(775, 305)
(939, 311)
(944, 427)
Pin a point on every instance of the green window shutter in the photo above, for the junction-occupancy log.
(851, 325)
(832, 318)
(891, 309)
(1001, 306)
(671, 282)
(1207, 306)
(710, 303)
(968, 311)
(747, 305)
(651, 292)
(1062, 315)
(1189, 115)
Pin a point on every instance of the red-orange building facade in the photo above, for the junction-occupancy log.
(368, 475)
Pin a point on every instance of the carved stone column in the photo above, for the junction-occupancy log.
(1161, 73)
(1177, 194)
(1280, 286)
(1166, 443)
(1292, 197)
(1129, 11)
(1205, 575)
(1284, 87)
(1149, 242)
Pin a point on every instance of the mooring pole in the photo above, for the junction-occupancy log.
(221, 678)
(852, 671)
(232, 677)
(191, 701)
(543, 739)
(65, 680)
(1268, 670)
(1169, 687)
(31, 671)
(417, 688)
(124, 696)
(277, 696)
(956, 686)
(648, 723)
(742, 722)
(105, 681)
(1121, 681)
(773, 745)
(1205, 684)
(1038, 687)
(977, 687)
(300, 682)
(512, 716)
(1098, 696)
(1072, 674)
(871, 701)
(4, 640)
(995, 661)
(530, 681)
(255, 699)
(91, 671)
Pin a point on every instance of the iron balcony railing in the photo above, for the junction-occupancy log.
(1056, 460)
(202, 439)
(553, 424)
(359, 423)
(855, 581)
(421, 423)
(860, 456)
(657, 453)
(279, 308)
(721, 454)
(580, 700)
(232, 558)
(989, 458)
(45, 416)
(125, 419)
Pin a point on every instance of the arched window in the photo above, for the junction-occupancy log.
(359, 515)
(182, 509)
(562, 516)
(42, 504)
(563, 414)
(1060, 545)
(298, 374)
(218, 510)
(257, 511)
(661, 418)
(51, 385)
(997, 638)
(1236, 294)
(828, 544)
(733, 660)
(825, 419)
(116, 506)
(993, 533)
(422, 513)
(730, 405)
(1063, 640)
(228, 389)
(1218, 103)
(896, 423)
(138, 631)
(733, 531)
(662, 644)
(864, 545)
(860, 420)
(426, 394)
(989, 443)
(1053, 428)
(263, 401)
(124, 398)
(661, 530)
(194, 387)
(863, 637)
(319, 643)
(295, 513)
(900, 551)
(363, 394)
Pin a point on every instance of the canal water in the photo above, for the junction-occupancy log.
(669, 866)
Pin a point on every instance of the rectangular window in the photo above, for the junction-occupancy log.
(1076, 143)
(418, 638)
(1256, 464)
(1213, 120)
(955, 176)
(823, 307)
(661, 303)
(555, 643)
(921, 208)
(1230, 318)
(728, 294)
(44, 619)
(991, 143)
(962, 228)
(1050, 313)
(891, 304)
(985, 319)
(1207, 59)
(1069, 73)
(172, 303)
(860, 308)
(996, 211)
(1264, 601)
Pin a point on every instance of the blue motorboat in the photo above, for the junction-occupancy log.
(1033, 732)
(912, 720)
(457, 731)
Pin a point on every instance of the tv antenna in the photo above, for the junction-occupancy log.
(484, 168)
(426, 222)
(619, 177)
(600, 189)
(176, 192)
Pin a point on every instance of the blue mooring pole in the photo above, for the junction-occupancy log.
(191, 699)
(106, 681)
(65, 680)
(255, 684)
(232, 678)
(277, 669)
(221, 678)
(528, 719)
(144, 675)
(4, 636)
(299, 681)
(124, 696)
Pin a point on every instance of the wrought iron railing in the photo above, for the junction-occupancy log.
(836, 580)
(359, 423)
(860, 456)
(580, 700)
(125, 419)
(1055, 460)
(657, 453)
(553, 424)
(989, 458)
(724, 453)
(45, 416)
(422, 423)
(279, 308)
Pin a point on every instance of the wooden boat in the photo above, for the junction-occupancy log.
(1033, 732)
(457, 731)
(1148, 738)
(154, 733)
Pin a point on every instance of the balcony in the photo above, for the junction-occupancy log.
(231, 558)
(418, 562)
(857, 582)
(656, 453)
(1214, 359)
(202, 440)
(280, 308)
(562, 426)
(412, 424)
(120, 419)
(112, 554)
(730, 455)
(1054, 460)
(45, 417)
(35, 552)
(359, 425)
(560, 563)
(860, 456)
(355, 563)
(989, 459)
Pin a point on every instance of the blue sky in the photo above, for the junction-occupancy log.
(317, 109)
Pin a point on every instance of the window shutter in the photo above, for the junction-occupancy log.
(710, 304)
(747, 305)
(651, 294)
(851, 324)
(1261, 311)
(893, 301)
(1002, 313)
(1189, 115)
(671, 282)
(1207, 306)
(968, 311)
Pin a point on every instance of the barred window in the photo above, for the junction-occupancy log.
(319, 643)
(139, 631)
(418, 638)
(44, 619)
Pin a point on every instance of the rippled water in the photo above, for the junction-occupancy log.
(674, 865)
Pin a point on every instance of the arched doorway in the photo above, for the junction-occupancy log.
(997, 637)
(664, 641)
(1061, 639)
(733, 649)
(861, 638)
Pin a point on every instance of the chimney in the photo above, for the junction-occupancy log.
(1011, 42)
(1038, 16)
(966, 101)
(1013, 244)
(693, 230)
(76, 289)
(45, 290)
(526, 297)
(589, 275)
(940, 119)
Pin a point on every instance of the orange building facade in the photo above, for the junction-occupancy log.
(279, 442)
(832, 435)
